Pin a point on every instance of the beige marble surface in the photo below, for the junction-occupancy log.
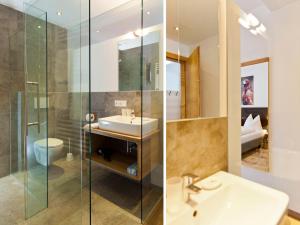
(198, 146)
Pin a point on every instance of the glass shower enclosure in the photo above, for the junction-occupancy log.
(36, 110)
(86, 65)
(126, 100)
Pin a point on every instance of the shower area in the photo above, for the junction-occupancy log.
(81, 110)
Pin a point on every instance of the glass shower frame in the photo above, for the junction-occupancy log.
(36, 117)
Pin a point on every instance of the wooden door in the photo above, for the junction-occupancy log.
(192, 82)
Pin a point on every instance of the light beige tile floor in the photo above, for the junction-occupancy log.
(257, 159)
(293, 221)
(68, 202)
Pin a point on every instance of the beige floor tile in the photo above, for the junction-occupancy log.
(257, 159)
(65, 200)
(294, 221)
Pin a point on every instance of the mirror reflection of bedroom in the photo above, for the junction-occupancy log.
(255, 124)
(255, 110)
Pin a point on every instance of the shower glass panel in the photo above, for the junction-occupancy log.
(126, 84)
(57, 60)
(36, 118)
(16, 92)
(115, 88)
(152, 109)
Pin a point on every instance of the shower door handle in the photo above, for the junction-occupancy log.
(37, 123)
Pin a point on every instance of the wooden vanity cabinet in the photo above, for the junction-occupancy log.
(147, 154)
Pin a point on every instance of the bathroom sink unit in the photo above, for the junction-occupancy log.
(127, 125)
(116, 134)
(237, 201)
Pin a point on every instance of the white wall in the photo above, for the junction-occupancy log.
(175, 47)
(256, 50)
(105, 66)
(173, 76)
(173, 91)
(284, 51)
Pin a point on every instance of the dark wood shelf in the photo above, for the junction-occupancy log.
(148, 149)
(118, 164)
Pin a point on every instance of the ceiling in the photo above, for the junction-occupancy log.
(74, 11)
(110, 19)
(248, 6)
(197, 20)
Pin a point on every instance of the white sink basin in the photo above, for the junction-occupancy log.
(127, 125)
(237, 202)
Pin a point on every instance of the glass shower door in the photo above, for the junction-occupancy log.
(36, 103)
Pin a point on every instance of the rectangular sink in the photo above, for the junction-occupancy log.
(238, 201)
(128, 125)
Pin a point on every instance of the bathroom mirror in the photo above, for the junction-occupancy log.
(130, 53)
(193, 64)
(255, 89)
(255, 113)
(115, 50)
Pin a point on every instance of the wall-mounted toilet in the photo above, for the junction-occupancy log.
(55, 148)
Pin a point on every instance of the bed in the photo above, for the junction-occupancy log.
(253, 138)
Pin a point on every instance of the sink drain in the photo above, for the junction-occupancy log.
(195, 213)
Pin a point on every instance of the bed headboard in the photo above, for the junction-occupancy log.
(263, 112)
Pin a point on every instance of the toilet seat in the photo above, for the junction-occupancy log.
(53, 143)
(46, 156)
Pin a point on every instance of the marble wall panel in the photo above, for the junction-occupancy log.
(196, 146)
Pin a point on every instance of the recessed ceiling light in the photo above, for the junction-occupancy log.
(252, 20)
(98, 31)
(177, 28)
(254, 32)
(261, 28)
(148, 12)
(244, 23)
(59, 13)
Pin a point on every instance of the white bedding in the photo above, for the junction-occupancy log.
(253, 135)
(246, 130)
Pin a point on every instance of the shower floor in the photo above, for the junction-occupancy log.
(69, 204)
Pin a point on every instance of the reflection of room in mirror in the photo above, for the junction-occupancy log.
(195, 45)
(173, 89)
(255, 113)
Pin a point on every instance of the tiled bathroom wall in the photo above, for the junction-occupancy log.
(12, 84)
(11, 80)
(196, 146)
(103, 103)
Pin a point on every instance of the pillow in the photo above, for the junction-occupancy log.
(248, 121)
(256, 124)
(246, 130)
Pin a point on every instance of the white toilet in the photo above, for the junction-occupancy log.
(55, 148)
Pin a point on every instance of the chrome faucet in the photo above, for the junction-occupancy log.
(190, 188)
(132, 116)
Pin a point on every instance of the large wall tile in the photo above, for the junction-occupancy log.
(196, 146)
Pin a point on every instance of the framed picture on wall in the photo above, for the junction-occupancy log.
(247, 89)
(255, 84)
